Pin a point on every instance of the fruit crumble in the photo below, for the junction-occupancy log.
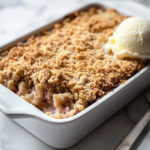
(64, 70)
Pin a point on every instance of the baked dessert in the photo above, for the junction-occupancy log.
(63, 70)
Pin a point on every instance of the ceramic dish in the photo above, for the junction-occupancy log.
(63, 133)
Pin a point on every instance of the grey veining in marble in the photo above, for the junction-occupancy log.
(18, 17)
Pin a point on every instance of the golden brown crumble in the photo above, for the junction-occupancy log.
(64, 70)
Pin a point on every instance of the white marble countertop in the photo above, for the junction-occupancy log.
(18, 17)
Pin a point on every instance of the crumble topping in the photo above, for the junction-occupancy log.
(64, 70)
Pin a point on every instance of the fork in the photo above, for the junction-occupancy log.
(129, 142)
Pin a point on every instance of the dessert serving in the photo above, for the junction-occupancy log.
(65, 69)
(131, 39)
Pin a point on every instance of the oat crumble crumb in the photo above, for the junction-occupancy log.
(64, 70)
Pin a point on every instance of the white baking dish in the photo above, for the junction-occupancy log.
(63, 133)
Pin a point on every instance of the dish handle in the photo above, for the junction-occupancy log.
(12, 104)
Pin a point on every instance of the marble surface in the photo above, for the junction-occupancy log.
(18, 17)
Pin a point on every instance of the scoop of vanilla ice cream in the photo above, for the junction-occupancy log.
(131, 39)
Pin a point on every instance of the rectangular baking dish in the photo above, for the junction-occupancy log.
(63, 133)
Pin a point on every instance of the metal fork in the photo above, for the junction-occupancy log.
(129, 143)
